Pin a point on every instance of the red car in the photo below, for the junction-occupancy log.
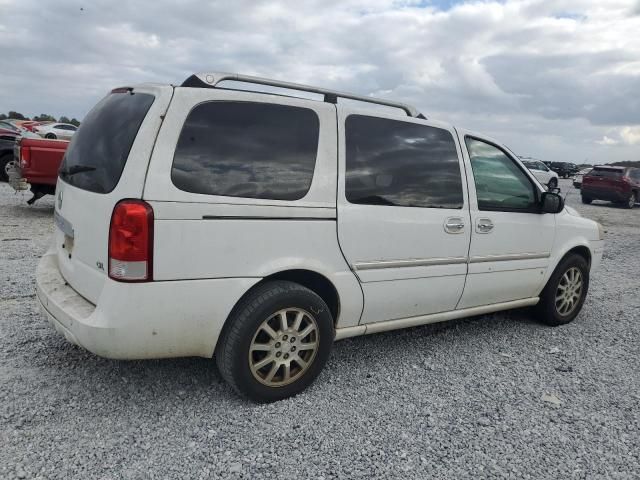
(615, 184)
(36, 163)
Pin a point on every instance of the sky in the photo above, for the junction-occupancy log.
(557, 80)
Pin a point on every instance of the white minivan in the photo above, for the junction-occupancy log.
(219, 219)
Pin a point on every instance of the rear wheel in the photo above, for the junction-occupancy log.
(276, 341)
(565, 292)
(631, 201)
(6, 164)
(586, 200)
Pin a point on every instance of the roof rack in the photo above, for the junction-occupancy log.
(211, 80)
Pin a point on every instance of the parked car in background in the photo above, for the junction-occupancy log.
(35, 165)
(564, 169)
(63, 131)
(577, 180)
(8, 134)
(615, 184)
(544, 174)
(27, 124)
(6, 157)
(5, 125)
(197, 220)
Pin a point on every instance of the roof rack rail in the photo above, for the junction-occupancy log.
(211, 80)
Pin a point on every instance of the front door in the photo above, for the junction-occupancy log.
(511, 241)
(403, 214)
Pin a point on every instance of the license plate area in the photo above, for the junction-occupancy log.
(64, 225)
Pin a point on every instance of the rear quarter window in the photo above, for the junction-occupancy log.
(99, 150)
(245, 149)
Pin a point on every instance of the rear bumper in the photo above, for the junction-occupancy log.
(604, 194)
(138, 321)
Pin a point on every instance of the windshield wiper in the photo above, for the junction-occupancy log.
(73, 169)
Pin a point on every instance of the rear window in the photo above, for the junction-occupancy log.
(245, 149)
(98, 152)
(606, 173)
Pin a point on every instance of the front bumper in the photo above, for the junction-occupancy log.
(141, 320)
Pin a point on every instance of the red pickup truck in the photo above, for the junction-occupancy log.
(35, 166)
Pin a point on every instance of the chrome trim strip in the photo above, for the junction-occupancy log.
(504, 258)
(419, 262)
(386, 325)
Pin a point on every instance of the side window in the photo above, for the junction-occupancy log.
(500, 184)
(245, 149)
(390, 162)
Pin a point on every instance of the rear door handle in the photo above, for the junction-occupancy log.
(484, 225)
(454, 225)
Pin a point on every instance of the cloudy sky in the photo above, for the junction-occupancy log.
(557, 80)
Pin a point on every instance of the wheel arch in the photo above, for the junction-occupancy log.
(581, 250)
(314, 281)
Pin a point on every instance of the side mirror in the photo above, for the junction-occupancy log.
(551, 203)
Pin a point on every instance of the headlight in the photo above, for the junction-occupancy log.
(600, 232)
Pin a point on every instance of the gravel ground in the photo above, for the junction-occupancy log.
(493, 396)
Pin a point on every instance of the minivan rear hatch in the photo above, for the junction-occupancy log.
(106, 162)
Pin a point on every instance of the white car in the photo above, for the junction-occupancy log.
(62, 131)
(544, 174)
(577, 180)
(260, 228)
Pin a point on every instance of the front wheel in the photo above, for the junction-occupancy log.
(553, 183)
(586, 200)
(565, 292)
(276, 341)
(51, 136)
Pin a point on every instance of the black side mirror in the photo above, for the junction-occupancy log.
(551, 203)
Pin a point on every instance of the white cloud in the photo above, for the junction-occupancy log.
(552, 78)
(631, 135)
(608, 141)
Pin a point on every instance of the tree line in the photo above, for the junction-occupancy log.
(43, 117)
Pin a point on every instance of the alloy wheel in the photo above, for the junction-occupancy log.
(284, 347)
(8, 167)
(569, 291)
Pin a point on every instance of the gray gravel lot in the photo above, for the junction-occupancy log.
(492, 396)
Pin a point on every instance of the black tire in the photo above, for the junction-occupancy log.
(546, 310)
(631, 201)
(586, 200)
(51, 136)
(232, 351)
(553, 183)
(4, 161)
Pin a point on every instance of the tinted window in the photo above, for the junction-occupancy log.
(606, 172)
(500, 184)
(98, 152)
(243, 149)
(391, 162)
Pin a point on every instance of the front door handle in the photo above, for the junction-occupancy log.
(454, 225)
(484, 225)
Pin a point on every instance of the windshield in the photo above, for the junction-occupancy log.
(98, 152)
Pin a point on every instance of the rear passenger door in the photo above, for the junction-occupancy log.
(403, 216)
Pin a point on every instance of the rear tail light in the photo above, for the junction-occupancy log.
(131, 242)
(25, 157)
